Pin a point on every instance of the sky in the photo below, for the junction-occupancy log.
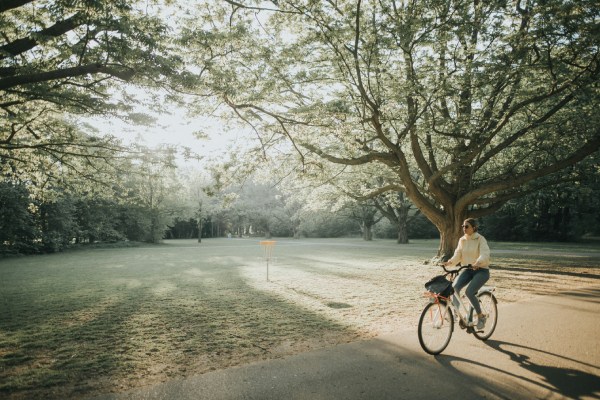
(176, 129)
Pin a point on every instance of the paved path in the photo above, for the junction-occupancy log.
(546, 348)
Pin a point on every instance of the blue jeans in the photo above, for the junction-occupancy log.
(477, 279)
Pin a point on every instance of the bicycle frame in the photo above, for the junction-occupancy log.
(463, 312)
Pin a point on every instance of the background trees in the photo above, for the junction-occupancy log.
(29, 225)
(153, 185)
(17, 230)
(562, 212)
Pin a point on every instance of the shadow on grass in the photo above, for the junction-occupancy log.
(74, 333)
(307, 265)
(545, 271)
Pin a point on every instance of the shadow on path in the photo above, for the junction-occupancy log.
(571, 382)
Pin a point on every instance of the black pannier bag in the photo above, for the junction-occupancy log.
(440, 285)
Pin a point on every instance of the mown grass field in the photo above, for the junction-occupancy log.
(94, 321)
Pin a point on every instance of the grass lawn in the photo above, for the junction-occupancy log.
(93, 321)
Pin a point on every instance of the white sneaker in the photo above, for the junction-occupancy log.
(481, 323)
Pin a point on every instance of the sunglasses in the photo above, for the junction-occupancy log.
(466, 226)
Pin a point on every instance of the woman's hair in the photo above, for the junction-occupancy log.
(472, 222)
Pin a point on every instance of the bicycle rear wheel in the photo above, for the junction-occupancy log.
(490, 309)
(435, 327)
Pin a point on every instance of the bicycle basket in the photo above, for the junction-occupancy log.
(440, 285)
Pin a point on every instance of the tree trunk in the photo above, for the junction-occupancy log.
(450, 232)
(402, 225)
(155, 235)
(200, 221)
(200, 230)
(402, 234)
(367, 232)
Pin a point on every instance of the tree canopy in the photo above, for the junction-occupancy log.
(61, 59)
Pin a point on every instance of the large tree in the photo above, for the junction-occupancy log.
(467, 104)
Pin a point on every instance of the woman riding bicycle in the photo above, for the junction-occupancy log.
(472, 249)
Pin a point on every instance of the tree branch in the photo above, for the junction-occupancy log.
(6, 5)
(514, 181)
(241, 5)
(365, 159)
(374, 193)
(97, 68)
(22, 45)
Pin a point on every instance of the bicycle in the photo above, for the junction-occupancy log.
(436, 323)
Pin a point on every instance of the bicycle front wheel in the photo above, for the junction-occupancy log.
(489, 308)
(435, 327)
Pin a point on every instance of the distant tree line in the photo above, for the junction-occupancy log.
(135, 205)
(30, 226)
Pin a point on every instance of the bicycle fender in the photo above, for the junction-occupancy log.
(486, 289)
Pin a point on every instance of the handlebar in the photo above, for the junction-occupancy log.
(456, 271)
